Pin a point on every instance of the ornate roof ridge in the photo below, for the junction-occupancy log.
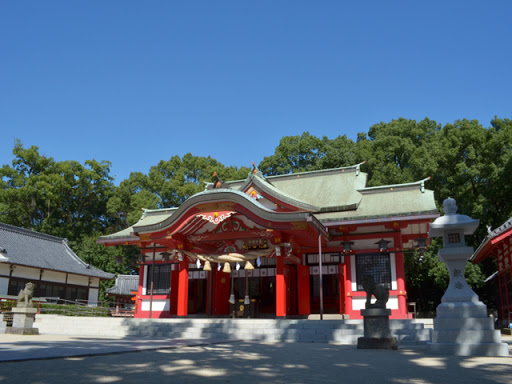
(391, 187)
(157, 211)
(350, 168)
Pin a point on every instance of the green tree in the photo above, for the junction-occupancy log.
(401, 151)
(64, 199)
(131, 196)
(177, 179)
(295, 154)
(497, 187)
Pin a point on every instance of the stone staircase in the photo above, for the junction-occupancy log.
(407, 332)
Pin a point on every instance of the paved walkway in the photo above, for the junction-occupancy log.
(58, 359)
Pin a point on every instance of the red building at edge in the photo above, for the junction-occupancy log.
(498, 244)
(253, 247)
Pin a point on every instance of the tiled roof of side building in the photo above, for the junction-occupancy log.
(125, 285)
(33, 249)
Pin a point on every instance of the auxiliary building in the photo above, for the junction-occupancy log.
(273, 246)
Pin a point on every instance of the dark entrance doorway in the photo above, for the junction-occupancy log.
(261, 284)
(197, 291)
(330, 282)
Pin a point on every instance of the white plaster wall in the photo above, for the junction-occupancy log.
(26, 273)
(78, 280)
(353, 272)
(55, 277)
(95, 282)
(4, 285)
(144, 285)
(392, 264)
(4, 269)
(158, 305)
(359, 303)
(93, 296)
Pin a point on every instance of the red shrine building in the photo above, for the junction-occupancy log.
(279, 246)
(498, 244)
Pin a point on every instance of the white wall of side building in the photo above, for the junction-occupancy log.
(54, 277)
(4, 269)
(94, 282)
(93, 296)
(78, 280)
(26, 273)
(4, 285)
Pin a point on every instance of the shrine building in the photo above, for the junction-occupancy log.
(498, 245)
(279, 246)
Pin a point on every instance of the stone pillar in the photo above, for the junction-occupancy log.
(23, 321)
(376, 318)
(376, 330)
(462, 326)
(3, 324)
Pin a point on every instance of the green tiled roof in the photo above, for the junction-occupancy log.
(332, 188)
(387, 203)
(332, 195)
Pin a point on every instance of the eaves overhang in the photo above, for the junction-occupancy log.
(413, 216)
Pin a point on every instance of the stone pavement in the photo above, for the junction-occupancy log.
(66, 359)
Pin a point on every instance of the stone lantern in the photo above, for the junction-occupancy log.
(462, 326)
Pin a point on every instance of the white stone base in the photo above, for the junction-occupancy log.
(463, 329)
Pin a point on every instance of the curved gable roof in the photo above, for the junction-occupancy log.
(316, 191)
(250, 205)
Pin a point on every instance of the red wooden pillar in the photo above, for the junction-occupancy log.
(348, 285)
(342, 281)
(175, 278)
(280, 287)
(183, 289)
(221, 288)
(400, 277)
(304, 300)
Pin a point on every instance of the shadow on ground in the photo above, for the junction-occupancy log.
(251, 362)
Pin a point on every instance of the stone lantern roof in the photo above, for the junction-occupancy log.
(452, 220)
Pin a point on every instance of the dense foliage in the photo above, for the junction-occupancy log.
(465, 160)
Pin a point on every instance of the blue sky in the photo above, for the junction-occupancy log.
(134, 82)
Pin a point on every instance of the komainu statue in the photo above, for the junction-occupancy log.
(25, 296)
(380, 292)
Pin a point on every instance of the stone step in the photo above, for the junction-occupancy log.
(327, 331)
(464, 336)
(468, 323)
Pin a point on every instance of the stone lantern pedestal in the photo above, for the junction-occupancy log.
(23, 321)
(462, 326)
(376, 330)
